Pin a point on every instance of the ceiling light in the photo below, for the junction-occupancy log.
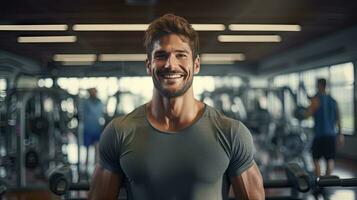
(110, 27)
(140, 27)
(249, 38)
(209, 27)
(57, 27)
(46, 39)
(264, 27)
(221, 57)
(122, 57)
(75, 57)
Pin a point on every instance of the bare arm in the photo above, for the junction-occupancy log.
(312, 108)
(249, 185)
(104, 185)
(341, 139)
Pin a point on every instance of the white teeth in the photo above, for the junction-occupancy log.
(172, 76)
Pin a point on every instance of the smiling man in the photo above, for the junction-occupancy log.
(175, 147)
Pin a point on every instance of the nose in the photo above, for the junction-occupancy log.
(171, 61)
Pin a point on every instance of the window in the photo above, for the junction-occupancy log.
(2, 84)
(291, 80)
(341, 88)
(309, 78)
(3, 87)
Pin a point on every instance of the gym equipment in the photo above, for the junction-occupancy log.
(227, 100)
(117, 108)
(285, 139)
(39, 125)
(35, 131)
(299, 113)
(297, 179)
(32, 159)
(3, 188)
(60, 179)
(301, 181)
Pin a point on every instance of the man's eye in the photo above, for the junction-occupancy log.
(181, 55)
(160, 56)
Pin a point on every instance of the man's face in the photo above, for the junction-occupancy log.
(172, 66)
(93, 92)
(320, 87)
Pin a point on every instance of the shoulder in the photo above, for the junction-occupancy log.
(121, 130)
(229, 127)
(129, 121)
(315, 98)
(331, 98)
(221, 119)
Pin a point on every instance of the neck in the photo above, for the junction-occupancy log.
(174, 113)
(322, 92)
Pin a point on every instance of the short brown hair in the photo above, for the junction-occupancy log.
(170, 24)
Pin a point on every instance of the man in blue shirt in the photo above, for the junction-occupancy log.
(92, 121)
(324, 110)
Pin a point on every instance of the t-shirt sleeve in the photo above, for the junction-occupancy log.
(109, 149)
(242, 150)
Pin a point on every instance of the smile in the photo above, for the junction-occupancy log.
(171, 76)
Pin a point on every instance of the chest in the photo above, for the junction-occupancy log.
(191, 156)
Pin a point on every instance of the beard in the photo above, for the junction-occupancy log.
(168, 93)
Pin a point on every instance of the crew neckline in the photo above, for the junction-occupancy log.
(179, 131)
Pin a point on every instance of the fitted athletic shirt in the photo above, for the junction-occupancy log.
(325, 117)
(194, 163)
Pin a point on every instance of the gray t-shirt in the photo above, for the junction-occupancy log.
(192, 164)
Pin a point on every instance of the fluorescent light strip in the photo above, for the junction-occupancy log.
(209, 27)
(264, 27)
(46, 39)
(249, 38)
(75, 57)
(110, 27)
(139, 27)
(77, 63)
(122, 57)
(57, 27)
(222, 57)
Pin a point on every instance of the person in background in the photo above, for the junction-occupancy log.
(93, 117)
(325, 112)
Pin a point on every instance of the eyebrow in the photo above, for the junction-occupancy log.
(176, 51)
(160, 52)
(181, 51)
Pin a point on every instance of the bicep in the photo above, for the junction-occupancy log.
(248, 185)
(314, 104)
(105, 184)
(313, 107)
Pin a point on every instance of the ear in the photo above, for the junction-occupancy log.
(197, 65)
(148, 66)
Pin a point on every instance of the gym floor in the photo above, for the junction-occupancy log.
(344, 169)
